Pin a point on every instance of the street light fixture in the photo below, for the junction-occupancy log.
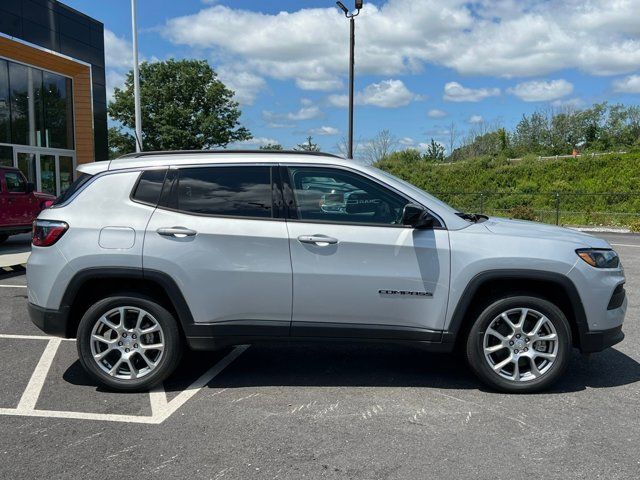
(352, 41)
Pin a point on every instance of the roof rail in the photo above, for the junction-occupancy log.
(206, 152)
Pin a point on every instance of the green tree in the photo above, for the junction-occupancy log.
(308, 146)
(184, 106)
(120, 142)
(435, 151)
(271, 146)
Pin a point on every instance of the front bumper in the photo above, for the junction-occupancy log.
(591, 342)
(52, 322)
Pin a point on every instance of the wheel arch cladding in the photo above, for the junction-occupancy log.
(90, 285)
(490, 285)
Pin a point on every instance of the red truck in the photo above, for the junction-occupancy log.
(19, 203)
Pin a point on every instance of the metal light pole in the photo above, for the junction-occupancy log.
(352, 44)
(136, 78)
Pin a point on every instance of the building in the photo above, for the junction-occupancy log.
(53, 111)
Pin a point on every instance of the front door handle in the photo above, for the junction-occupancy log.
(177, 232)
(320, 240)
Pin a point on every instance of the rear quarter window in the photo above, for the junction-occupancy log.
(82, 180)
(149, 187)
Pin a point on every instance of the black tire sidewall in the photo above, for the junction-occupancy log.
(172, 339)
(475, 352)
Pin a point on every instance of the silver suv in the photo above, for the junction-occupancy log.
(152, 252)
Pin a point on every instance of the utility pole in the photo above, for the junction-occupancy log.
(352, 44)
(136, 78)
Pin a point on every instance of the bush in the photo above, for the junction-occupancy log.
(523, 212)
(635, 226)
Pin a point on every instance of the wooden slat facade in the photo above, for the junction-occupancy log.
(81, 77)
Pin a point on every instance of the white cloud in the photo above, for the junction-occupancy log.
(630, 84)
(541, 91)
(454, 92)
(246, 85)
(253, 143)
(307, 111)
(385, 94)
(324, 131)
(475, 119)
(118, 52)
(504, 38)
(406, 141)
(435, 113)
(569, 103)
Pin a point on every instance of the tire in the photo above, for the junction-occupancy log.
(3, 238)
(505, 349)
(141, 367)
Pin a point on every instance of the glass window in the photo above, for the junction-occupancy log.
(27, 165)
(66, 172)
(234, 191)
(27, 117)
(48, 177)
(6, 156)
(15, 182)
(338, 196)
(73, 188)
(58, 108)
(5, 117)
(150, 186)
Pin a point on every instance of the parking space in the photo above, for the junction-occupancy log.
(315, 411)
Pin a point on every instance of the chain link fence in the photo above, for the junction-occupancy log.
(560, 208)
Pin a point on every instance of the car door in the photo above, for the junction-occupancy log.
(217, 235)
(19, 201)
(357, 271)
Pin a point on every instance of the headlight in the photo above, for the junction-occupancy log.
(599, 258)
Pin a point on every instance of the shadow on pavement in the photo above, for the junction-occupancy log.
(368, 365)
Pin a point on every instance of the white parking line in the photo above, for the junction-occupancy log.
(34, 387)
(13, 286)
(624, 245)
(161, 409)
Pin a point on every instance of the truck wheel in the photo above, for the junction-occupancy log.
(3, 238)
(519, 344)
(128, 343)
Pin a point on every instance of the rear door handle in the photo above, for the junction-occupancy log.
(177, 232)
(320, 240)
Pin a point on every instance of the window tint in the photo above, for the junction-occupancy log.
(73, 188)
(234, 191)
(339, 196)
(150, 186)
(15, 182)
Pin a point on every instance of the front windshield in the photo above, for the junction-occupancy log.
(431, 198)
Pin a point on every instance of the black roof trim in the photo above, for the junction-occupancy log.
(206, 152)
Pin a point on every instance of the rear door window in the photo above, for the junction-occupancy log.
(149, 186)
(236, 191)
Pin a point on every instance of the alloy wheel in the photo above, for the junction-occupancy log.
(521, 344)
(127, 343)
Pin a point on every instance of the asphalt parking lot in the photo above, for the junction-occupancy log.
(315, 411)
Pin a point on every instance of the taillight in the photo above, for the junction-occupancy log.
(47, 232)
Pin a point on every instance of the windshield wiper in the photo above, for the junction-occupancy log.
(473, 217)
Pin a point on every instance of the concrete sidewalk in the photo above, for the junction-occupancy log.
(15, 251)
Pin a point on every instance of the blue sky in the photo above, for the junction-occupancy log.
(421, 65)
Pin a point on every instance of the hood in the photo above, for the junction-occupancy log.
(523, 228)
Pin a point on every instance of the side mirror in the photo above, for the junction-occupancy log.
(31, 187)
(417, 216)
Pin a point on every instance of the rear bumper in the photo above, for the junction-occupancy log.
(52, 322)
(597, 341)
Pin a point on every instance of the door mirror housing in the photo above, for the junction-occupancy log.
(31, 187)
(417, 216)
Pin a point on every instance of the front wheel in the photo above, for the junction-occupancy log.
(519, 344)
(128, 343)
(3, 238)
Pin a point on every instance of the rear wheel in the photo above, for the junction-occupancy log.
(519, 344)
(3, 238)
(128, 342)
